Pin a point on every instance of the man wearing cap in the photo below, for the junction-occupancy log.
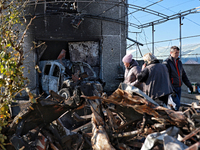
(156, 79)
(132, 69)
(177, 74)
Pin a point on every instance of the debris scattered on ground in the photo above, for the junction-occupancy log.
(126, 120)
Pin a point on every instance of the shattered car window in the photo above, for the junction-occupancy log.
(47, 69)
(56, 71)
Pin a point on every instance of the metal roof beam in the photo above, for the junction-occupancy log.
(182, 14)
(138, 8)
(135, 41)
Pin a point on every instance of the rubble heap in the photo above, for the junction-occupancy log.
(126, 120)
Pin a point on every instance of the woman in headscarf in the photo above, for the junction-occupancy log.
(132, 69)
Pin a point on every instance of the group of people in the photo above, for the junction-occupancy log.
(155, 79)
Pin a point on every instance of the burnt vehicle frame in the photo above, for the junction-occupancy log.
(56, 75)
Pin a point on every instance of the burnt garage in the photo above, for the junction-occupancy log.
(87, 51)
(94, 32)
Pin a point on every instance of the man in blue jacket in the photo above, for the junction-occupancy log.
(177, 74)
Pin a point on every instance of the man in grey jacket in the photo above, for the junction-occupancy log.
(177, 74)
(132, 69)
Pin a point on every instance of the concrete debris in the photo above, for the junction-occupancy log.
(125, 120)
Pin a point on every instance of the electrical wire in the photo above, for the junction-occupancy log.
(170, 42)
(175, 12)
(171, 6)
(141, 9)
(165, 8)
(174, 39)
(143, 32)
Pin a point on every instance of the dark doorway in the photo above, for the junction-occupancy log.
(53, 50)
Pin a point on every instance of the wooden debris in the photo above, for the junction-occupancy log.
(122, 121)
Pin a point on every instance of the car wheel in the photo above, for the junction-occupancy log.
(65, 93)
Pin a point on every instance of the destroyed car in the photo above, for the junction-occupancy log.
(56, 77)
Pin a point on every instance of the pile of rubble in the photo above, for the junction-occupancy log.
(126, 120)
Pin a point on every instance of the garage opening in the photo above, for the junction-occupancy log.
(87, 51)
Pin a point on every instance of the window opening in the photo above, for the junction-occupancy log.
(56, 71)
(47, 69)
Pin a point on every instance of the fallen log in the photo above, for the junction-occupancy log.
(100, 139)
(142, 106)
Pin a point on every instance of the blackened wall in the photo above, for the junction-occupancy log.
(56, 28)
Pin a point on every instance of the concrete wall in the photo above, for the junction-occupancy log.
(110, 35)
(29, 64)
(193, 72)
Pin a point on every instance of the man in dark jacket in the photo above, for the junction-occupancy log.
(132, 69)
(156, 79)
(177, 74)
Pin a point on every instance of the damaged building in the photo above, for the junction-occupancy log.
(92, 34)
(93, 31)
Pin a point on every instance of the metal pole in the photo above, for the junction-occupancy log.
(136, 46)
(152, 38)
(180, 44)
(139, 50)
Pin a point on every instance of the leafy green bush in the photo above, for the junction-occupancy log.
(12, 80)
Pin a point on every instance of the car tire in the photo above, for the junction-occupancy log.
(65, 93)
